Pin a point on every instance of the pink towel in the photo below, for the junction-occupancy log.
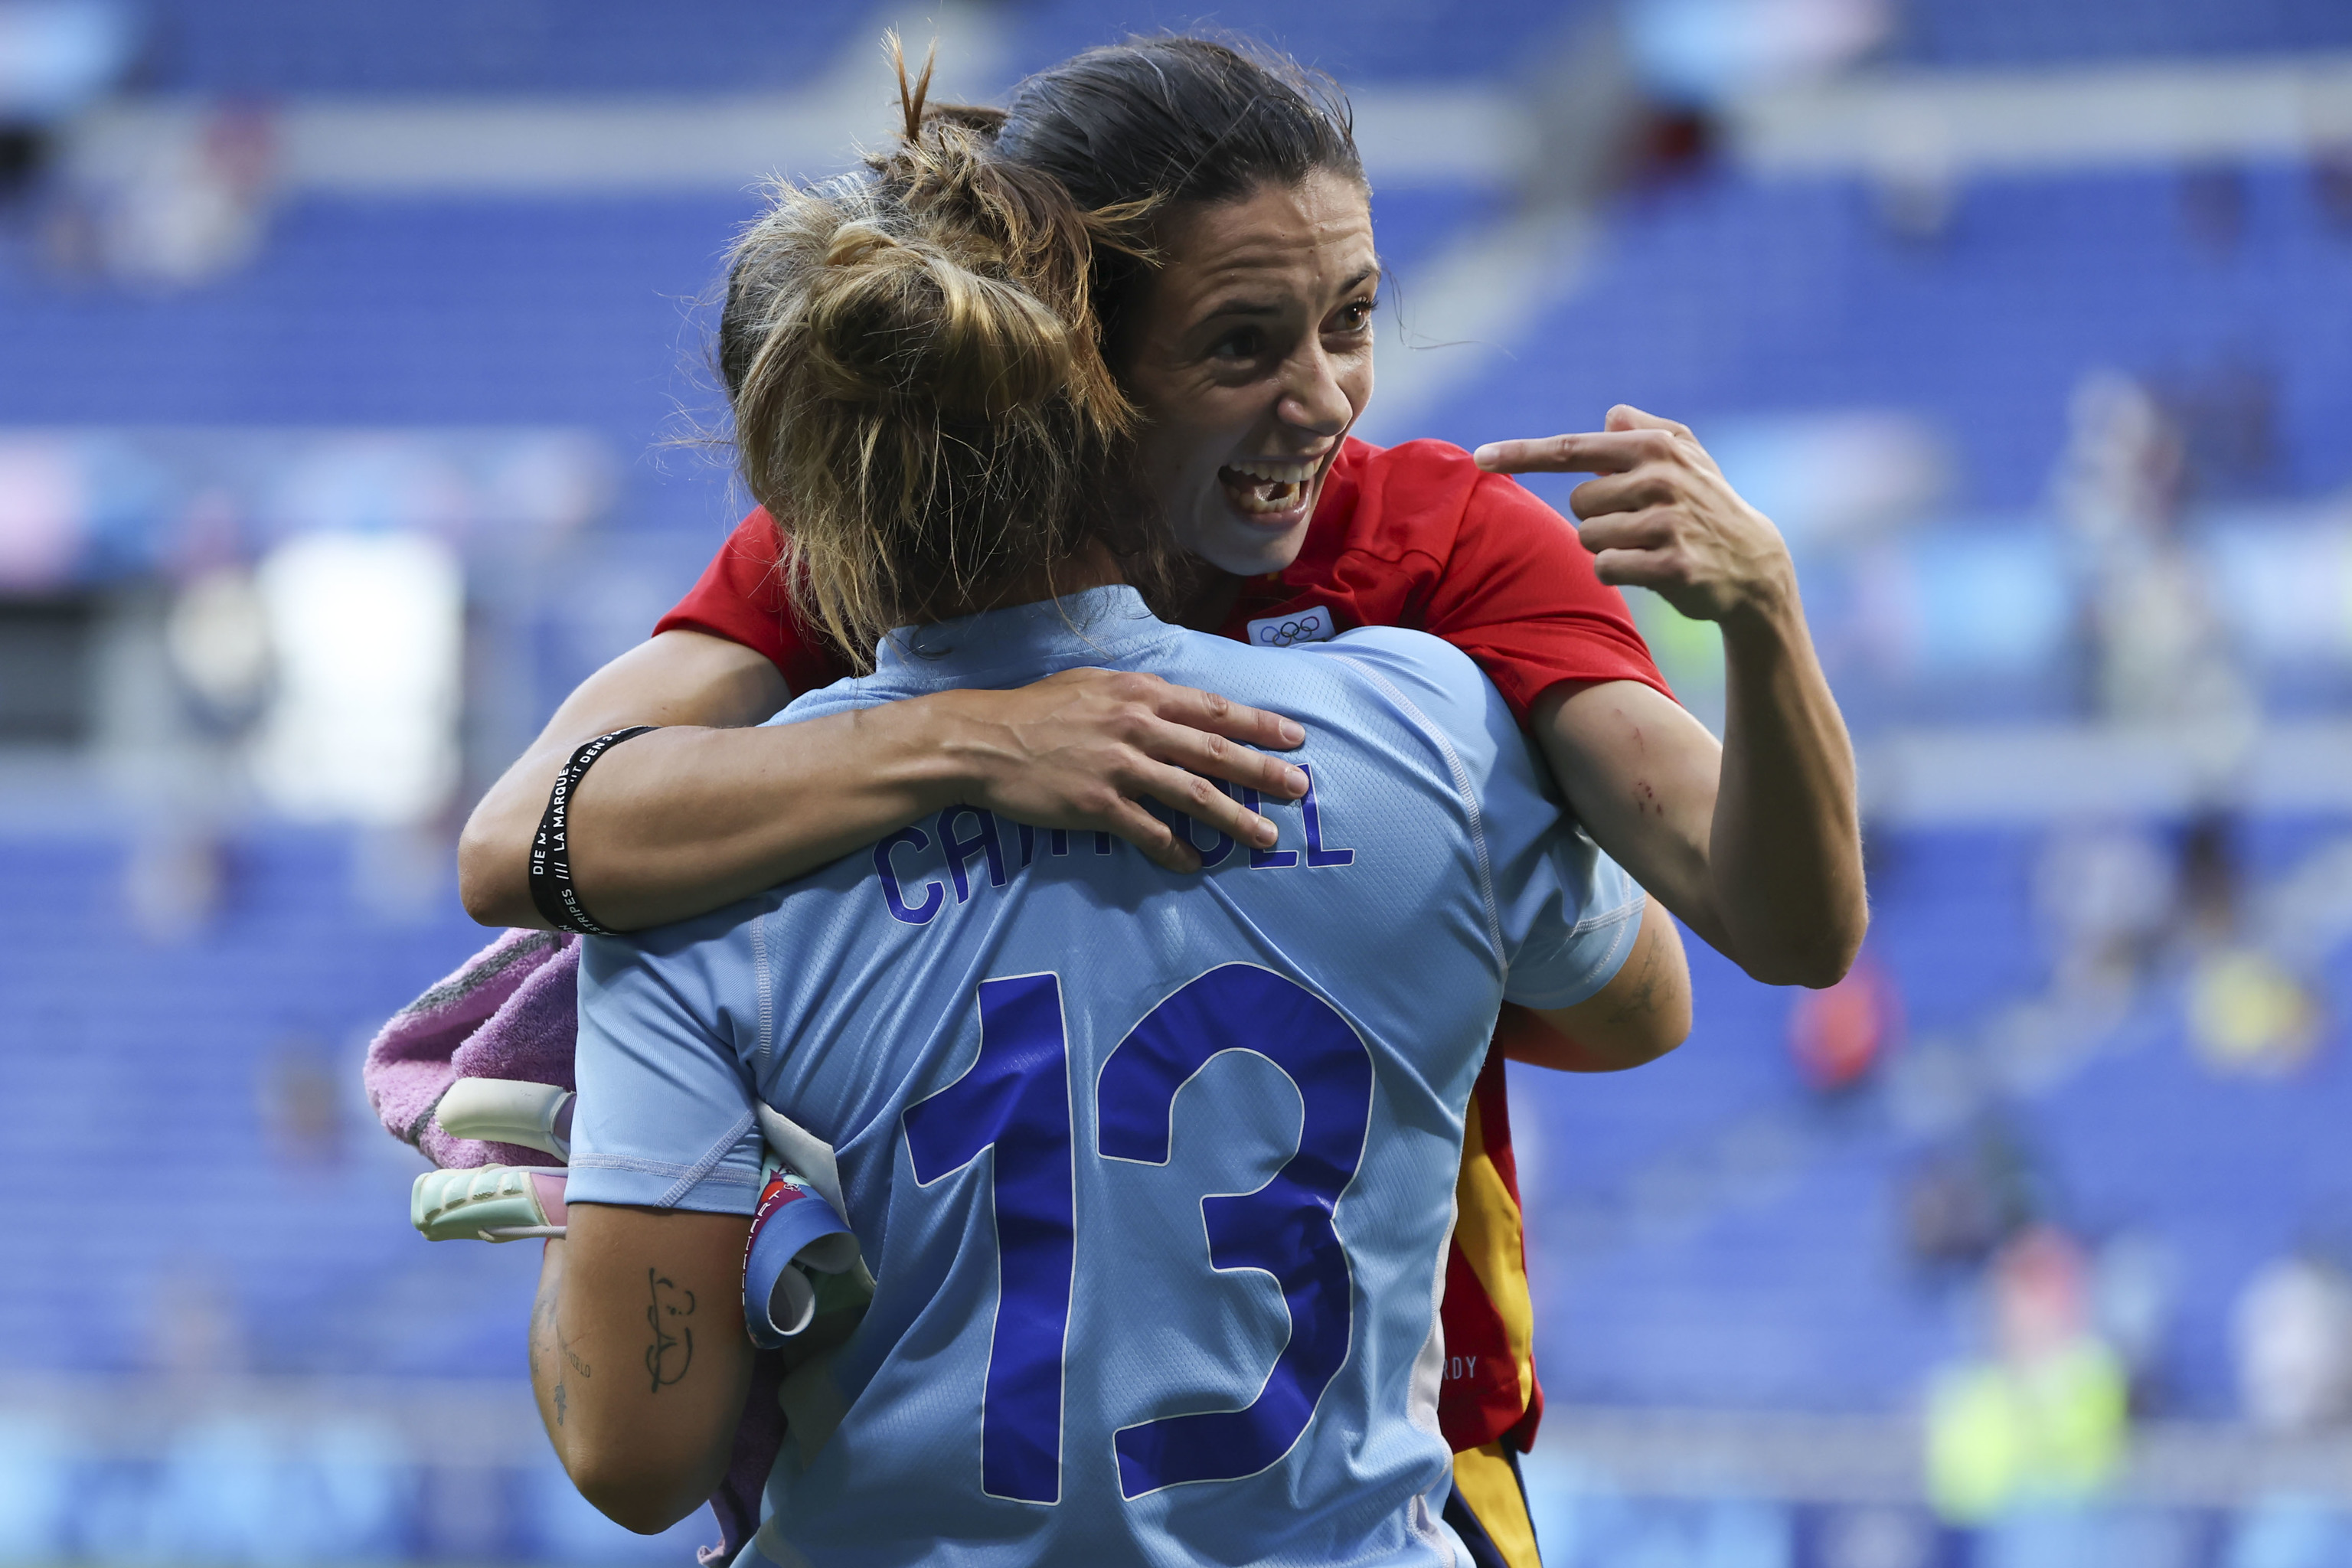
(512, 1011)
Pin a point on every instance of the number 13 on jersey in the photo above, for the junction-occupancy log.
(1015, 1099)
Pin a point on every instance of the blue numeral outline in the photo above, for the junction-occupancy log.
(1286, 1229)
(1014, 1102)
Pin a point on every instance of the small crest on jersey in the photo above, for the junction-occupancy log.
(1310, 625)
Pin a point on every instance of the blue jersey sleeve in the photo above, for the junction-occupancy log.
(664, 1118)
(1565, 914)
(1579, 913)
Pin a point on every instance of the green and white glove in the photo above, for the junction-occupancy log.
(488, 1202)
(509, 1111)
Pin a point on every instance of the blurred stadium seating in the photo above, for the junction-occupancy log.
(222, 1343)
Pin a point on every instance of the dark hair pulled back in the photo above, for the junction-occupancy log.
(1175, 121)
(918, 357)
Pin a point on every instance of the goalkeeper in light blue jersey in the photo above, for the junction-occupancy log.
(1154, 1172)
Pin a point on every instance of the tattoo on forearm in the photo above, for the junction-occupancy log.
(578, 1362)
(671, 1353)
(559, 1404)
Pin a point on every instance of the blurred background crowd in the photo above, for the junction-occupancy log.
(355, 403)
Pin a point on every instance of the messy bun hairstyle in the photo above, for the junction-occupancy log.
(919, 395)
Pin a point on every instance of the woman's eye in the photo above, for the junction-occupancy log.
(1355, 318)
(1236, 345)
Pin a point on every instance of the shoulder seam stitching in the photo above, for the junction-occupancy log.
(703, 1167)
(633, 1166)
(760, 978)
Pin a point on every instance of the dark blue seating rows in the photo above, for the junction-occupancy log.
(1977, 34)
(1728, 294)
(184, 1124)
(278, 47)
(1373, 41)
(1708, 1232)
(282, 48)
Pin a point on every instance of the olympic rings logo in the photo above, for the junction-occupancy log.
(1308, 628)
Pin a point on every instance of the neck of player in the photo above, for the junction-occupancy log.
(1093, 567)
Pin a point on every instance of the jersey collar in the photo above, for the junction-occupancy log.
(1100, 626)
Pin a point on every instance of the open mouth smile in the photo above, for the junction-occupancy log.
(1268, 490)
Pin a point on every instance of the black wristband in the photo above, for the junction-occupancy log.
(552, 892)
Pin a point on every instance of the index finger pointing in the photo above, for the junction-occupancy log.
(1593, 452)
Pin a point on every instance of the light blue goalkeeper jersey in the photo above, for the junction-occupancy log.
(1156, 1171)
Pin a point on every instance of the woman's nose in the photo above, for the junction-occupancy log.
(1314, 399)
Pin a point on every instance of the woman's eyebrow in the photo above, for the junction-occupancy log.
(1242, 307)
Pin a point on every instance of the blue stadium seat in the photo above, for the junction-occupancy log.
(1371, 41)
(284, 48)
(1760, 297)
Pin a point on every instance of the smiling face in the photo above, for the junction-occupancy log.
(1251, 356)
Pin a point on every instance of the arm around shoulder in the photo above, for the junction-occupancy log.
(675, 678)
(1642, 1013)
(705, 811)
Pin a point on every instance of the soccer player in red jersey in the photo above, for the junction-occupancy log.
(1246, 341)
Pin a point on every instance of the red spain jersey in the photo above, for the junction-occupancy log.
(1416, 536)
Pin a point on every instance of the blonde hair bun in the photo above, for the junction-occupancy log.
(920, 395)
(901, 318)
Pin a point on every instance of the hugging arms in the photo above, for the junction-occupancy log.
(1246, 351)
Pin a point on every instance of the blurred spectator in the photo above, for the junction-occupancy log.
(55, 57)
(2136, 1290)
(195, 1326)
(2227, 410)
(2043, 1420)
(2161, 655)
(190, 671)
(2213, 879)
(2213, 205)
(2292, 1335)
(1703, 52)
(2107, 894)
(218, 634)
(2249, 1014)
(2331, 184)
(1837, 1034)
(168, 200)
(176, 879)
(301, 1103)
(1965, 1199)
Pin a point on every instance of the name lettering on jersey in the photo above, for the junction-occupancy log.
(1461, 1366)
(909, 870)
